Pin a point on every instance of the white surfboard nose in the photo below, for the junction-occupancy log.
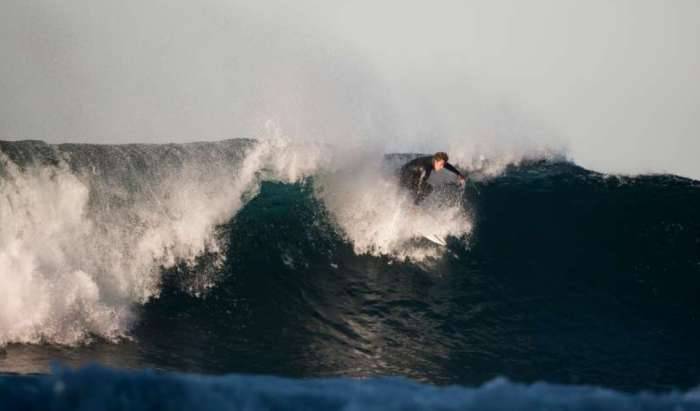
(435, 239)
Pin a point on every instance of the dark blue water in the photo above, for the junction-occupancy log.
(568, 276)
(96, 388)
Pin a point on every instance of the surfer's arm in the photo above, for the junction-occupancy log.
(451, 168)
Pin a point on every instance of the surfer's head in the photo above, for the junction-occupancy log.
(439, 160)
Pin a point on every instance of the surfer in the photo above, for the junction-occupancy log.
(414, 174)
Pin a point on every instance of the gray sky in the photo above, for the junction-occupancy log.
(616, 81)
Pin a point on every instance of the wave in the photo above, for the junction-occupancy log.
(97, 388)
(304, 260)
(86, 229)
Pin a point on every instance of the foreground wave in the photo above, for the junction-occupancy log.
(96, 388)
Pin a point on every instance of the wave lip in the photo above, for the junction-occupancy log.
(97, 388)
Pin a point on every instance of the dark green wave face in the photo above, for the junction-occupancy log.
(567, 276)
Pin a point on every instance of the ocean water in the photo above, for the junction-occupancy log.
(559, 287)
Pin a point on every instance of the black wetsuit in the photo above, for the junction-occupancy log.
(414, 176)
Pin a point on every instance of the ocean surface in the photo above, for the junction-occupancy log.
(559, 287)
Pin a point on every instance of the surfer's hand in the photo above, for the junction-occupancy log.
(462, 180)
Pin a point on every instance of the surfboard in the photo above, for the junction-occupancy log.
(435, 239)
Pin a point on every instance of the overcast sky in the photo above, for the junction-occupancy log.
(615, 81)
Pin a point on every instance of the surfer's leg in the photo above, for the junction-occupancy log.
(425, 192)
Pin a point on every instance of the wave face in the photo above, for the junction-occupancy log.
(254, 257)
(98, 388)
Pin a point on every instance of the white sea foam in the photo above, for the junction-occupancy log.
(378, 218)
(46, 251)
